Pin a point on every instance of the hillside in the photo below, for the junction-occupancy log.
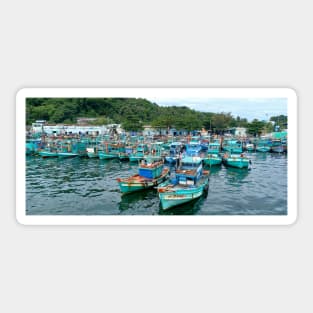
(132, 113)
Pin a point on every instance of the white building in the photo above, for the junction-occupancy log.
(60, 129)
(241, 131)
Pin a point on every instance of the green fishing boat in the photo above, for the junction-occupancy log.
(110, 151)
(236, 160)
(214, 147)
(47, 153)
(212, 159)
(32, 146)
(149, 176)
(139, 153)
(189, 183)
(232, 146)
(263, 145)
(66, 151)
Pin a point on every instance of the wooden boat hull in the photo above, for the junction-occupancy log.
(213, 151)
(172, 198)
(135, 158)
(107, 156)
(123, 157)
(48, 154)
(92, 155)
(263, 149)
(238, 162)
(213, 160)
(67, 155)
(137, 183)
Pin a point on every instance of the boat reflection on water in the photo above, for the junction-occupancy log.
(260, 156)
(213, 169)
(131, 200)
(235, 176)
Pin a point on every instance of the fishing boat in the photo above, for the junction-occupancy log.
(250, 147)
(214, 147)
(92, 152)
(139, 153)
(189, 183)
(285, 145)
(123, 156)
(71, 149)
(32, 146)
(236, 160)
(193, 148)
(212, 159)
(205, 142)
(155, 152)
(277, 146)
(175, 149)
(149, 175)
(65, 150)
(263, 145)
(232, 146)
(49, 152)
(109, 151)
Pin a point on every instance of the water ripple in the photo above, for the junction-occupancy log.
(89, 187)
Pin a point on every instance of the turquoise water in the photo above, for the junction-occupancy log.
(83, 186)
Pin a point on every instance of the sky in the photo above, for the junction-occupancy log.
(249, 108)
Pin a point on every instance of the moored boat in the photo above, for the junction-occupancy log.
(214, 147)
(212, 159)
(236, 160)
(175, 150)
(190, 183)
(263, 145)
(48, 153)
(92, 152)
(232, 145)
(139, 153)
(149, 175)
(277, 146)
(109, 151)
(193, 149)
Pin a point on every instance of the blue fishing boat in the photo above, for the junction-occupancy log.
(204, 142)
(189, 183)
(236, 160)
(175, 150)
(150, 175)
(193, 148)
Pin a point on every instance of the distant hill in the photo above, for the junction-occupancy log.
(132, 113)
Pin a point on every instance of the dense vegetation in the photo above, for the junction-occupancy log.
(134, 113)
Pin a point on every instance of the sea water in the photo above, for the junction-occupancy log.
(82, 186)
